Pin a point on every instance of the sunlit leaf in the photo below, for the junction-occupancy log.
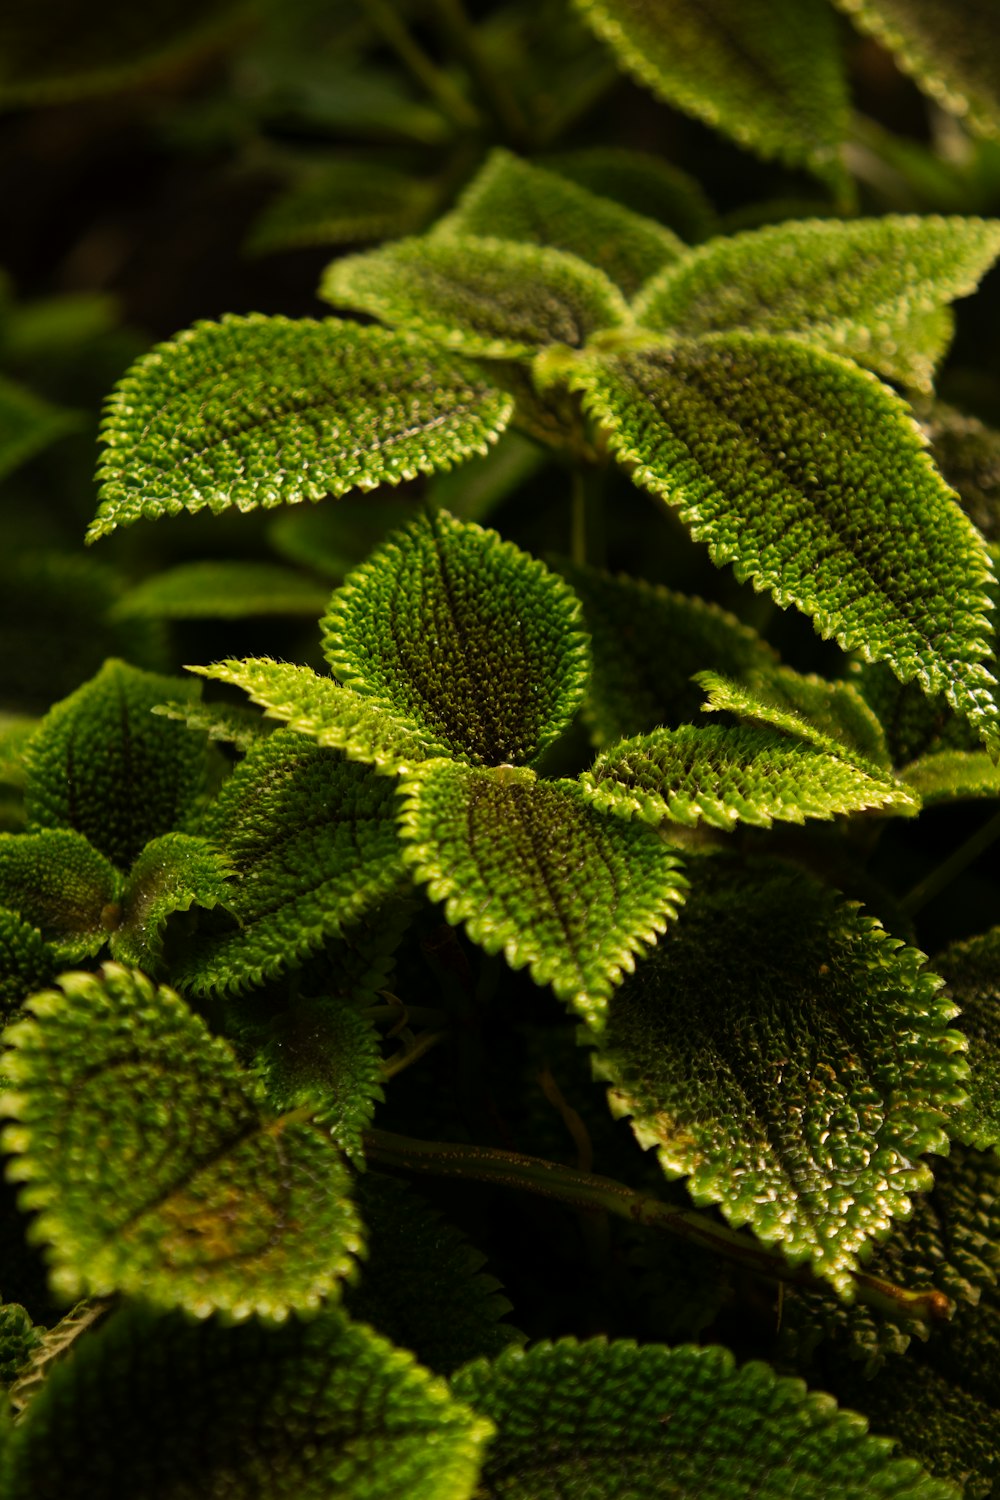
(831, 716)
(953, 776)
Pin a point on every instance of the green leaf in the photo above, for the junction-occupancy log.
(642, 182)
(15, 736)
(950, 47)
(768, 74)
(463, 639)
(333, 539)
(58, 882)
(103, 764)
(745, 774)
(311, 842)
(952, 776)
(865, 288)
(598, 1421)
(343, 202)
(26, 961)
(173, 873)
(972, 970)
(915, 724)
(968, 454)
(517, 200)
(233, 724)
(223, 591)
(536, 873)
(831, 716)
(257, 412)
(152, 1166)
(18, 1340)
(158, 1406)
(28, 424)
(789, 1058)
(809, 476)
(422, 1284)
(55, 1344)
(478, 295)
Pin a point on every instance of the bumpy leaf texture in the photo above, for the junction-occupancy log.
(768, 74)
(517, 200)
(152, 1166)
(972, 970)
(257, 412)
(789, 1058)
(163, 1408)
(461, 637)
(172, 874)
(27, 962)
(597, 1421)
(481, 296)
(223, 591)
(831, 716)
(344, 203)
(61, 884)
(536, 873)
(953, 776)
(810, 477)
(866, 288)
(643, 182)
(28, 424)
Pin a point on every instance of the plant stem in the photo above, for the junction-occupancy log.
(500, 102)
(435, 80)
(951, 867)
(584, 1190)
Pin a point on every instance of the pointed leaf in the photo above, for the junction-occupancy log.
(972, 970)
(517, 200)
(797, 1093)
(26, 961)
(173, 873)
(223, 591)
(597, 1421)
(643, 182)
(59, 883)
(103, 764)
(479, 295)
(808, 475)
(768, 74)
(311, 842)
(163, 1407)
(537, 874)
(28, 424)
(854, 288)
(830, 716)
(257, 412)
(233, 724)
(344, 202)
(952, 776)
(462, 638)
(152, 1166)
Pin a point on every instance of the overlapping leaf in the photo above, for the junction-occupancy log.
(968, 454)
(643, 182)
(257, 411)
(153, 1167)
(479, 295)
(808, 476)
(159, 1406)
(172, 874)
(830, 716)
(864, 288)
(972, 970)
(58, 882)
(463, 639)
(537, 874)
(596, 1421)
(789, 1058)
(768, 74)
(27, 962)
(28, 424)
(916, 725)
(517, 200)
(953, 776)
(344, 202)
(223, 591)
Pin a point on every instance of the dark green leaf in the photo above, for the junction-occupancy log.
(831, 716)
(15, 736)
(58, 882)
(18, 1340)
(27, 962)
(968, 454)
(952, 776)
(152, 1165)
(343, 203)
(645, 183)
(789, 1058)
(536, 873)
(223, 591)
(915, 724)
(809, 476)
(258, 411)
(173, 873)
(333, 539)
(463, 639)
(27, 423)
(972, 970)
(479, 295)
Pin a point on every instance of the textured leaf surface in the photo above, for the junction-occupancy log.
(809, 477)
(537, 874)
(26, 961)
(968, 454)
(479, 295)
(951, 48)
(789, 1058)
(517, 200)
(223, 591)
(103, 764)
(601, 1420)
(312, 844)
(463, 639)
(766, 72)
(173, 873)
(28, 424)
(344, 203)
(915, 724)
(863, 288)
(830, 716)
(972, 970)
(60, 884)
(643, 182)
(152, 1165)
(162, 1407)
(725, 776)
(257, 411)
(953, 776)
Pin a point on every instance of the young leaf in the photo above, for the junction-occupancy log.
(809, 476)
(789, 1058)
(173, 873)
(537, 874)
(596, 1421)
(972, 970)
(517, 200)
(258, 411)
(27, 962)
(223, 591)
(152, 1166)
(343, 202)
(463, 639)
(154, 1406)
(478, 295)
(852, 288)
(768, 74)
(830, 716)
(952, 776)
(311, 842)
(725, 776)
(642, 182)
(28, 424)
(59, 883)
(103, 764)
